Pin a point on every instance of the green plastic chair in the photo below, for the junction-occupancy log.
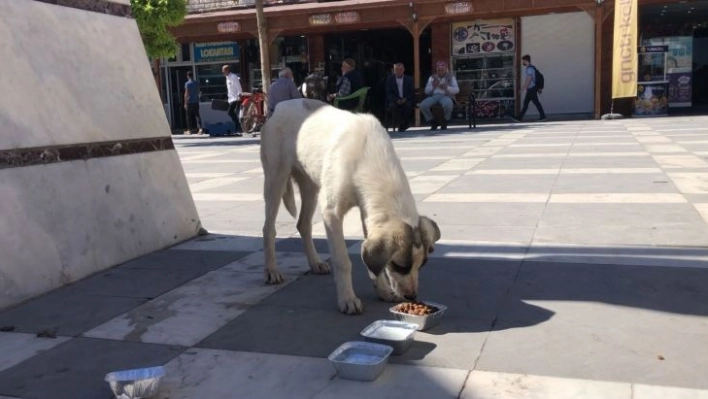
(360, 94)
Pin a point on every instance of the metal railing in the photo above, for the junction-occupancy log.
(199, 6)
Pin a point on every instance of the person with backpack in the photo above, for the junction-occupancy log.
(533, 86)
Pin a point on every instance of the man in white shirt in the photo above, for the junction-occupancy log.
(441, 88)
(234, 90)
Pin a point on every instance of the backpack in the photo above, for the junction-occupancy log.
(540, 81)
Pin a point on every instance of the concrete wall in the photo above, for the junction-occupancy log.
(72, 205)
(563, 48)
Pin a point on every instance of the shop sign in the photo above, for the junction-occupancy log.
(216, 51)
(320, 19)
(483, 36)
(348, 17)
(228, 27)
(459, 7)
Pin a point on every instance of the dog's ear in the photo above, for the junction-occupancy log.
(430, 232)
(376, 252)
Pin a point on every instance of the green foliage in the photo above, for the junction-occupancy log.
(153, 18)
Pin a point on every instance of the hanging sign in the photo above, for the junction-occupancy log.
(320, 19)
(228, 27)
(483, 36)
(216, 51)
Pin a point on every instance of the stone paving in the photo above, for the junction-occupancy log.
(573, 262)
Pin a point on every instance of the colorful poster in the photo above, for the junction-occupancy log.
(679, 63)
(624, 57)
(680, 87)
(483, 36)
(651, 99)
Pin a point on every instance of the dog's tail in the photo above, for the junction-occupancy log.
(289, 199)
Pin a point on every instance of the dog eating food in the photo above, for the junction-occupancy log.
(416, 308)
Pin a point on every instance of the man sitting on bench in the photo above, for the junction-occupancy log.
(399, 96)
(441, 88)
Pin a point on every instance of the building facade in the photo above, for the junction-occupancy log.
(570, 41)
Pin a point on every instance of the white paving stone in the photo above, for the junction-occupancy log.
(230, 197)
(618, 198)
(641, 391)
(702, 209)
(206, 373)
(214, 183)
(491, 385)
(15, 348)
(482, 197)
(191, 312)
(691, 183)
(680, 161)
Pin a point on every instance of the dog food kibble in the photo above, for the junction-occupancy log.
(416, 308)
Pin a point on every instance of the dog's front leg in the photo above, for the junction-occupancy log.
(346, 298)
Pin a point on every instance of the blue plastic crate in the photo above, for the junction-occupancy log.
(220, 129)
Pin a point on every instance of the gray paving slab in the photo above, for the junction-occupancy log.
(185, 259)
(616, 183)
(75, 369)
(500, 184)
(637, 215)
(65, 313)
(687, 235)
(561, 349)
(516, 163)
(490, 214)
(288, 321)
(295, 244)
(488, 233)
(610, 162)
(660, 299)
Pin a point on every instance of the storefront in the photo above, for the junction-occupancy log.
(484, 63)
(673, 59)
(568, 40)
(205, 61)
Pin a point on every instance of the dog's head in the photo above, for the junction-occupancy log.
(394, 254)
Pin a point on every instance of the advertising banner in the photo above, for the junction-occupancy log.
(624, 57)
(483, 36)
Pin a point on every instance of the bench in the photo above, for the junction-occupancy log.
(469, 106)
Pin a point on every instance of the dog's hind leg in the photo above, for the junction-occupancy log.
(273, 190)
(308, 196)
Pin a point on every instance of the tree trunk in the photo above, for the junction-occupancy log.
(264, 44)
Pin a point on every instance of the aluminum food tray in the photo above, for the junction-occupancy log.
(424, 322)
(137, 383)
(361, 361)
(396, 334)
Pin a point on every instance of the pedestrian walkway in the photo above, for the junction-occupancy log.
(573, 262)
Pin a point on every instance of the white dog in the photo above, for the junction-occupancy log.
(345, 160)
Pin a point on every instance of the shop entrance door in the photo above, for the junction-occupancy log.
(178, 77)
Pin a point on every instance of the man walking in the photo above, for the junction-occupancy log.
(531, 90)
(234, 90)
(282, 89)
(399, 96)
(191, 105)
(441, 88)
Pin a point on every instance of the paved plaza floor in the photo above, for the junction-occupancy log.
(573, 260)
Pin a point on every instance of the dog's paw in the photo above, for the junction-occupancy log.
(273, 277)
(351, 306)
(321, 268)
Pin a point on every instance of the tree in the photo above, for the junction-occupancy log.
(153, 18)
(263, 43)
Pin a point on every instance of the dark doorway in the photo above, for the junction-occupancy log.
(178, 77)
(375, 52)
